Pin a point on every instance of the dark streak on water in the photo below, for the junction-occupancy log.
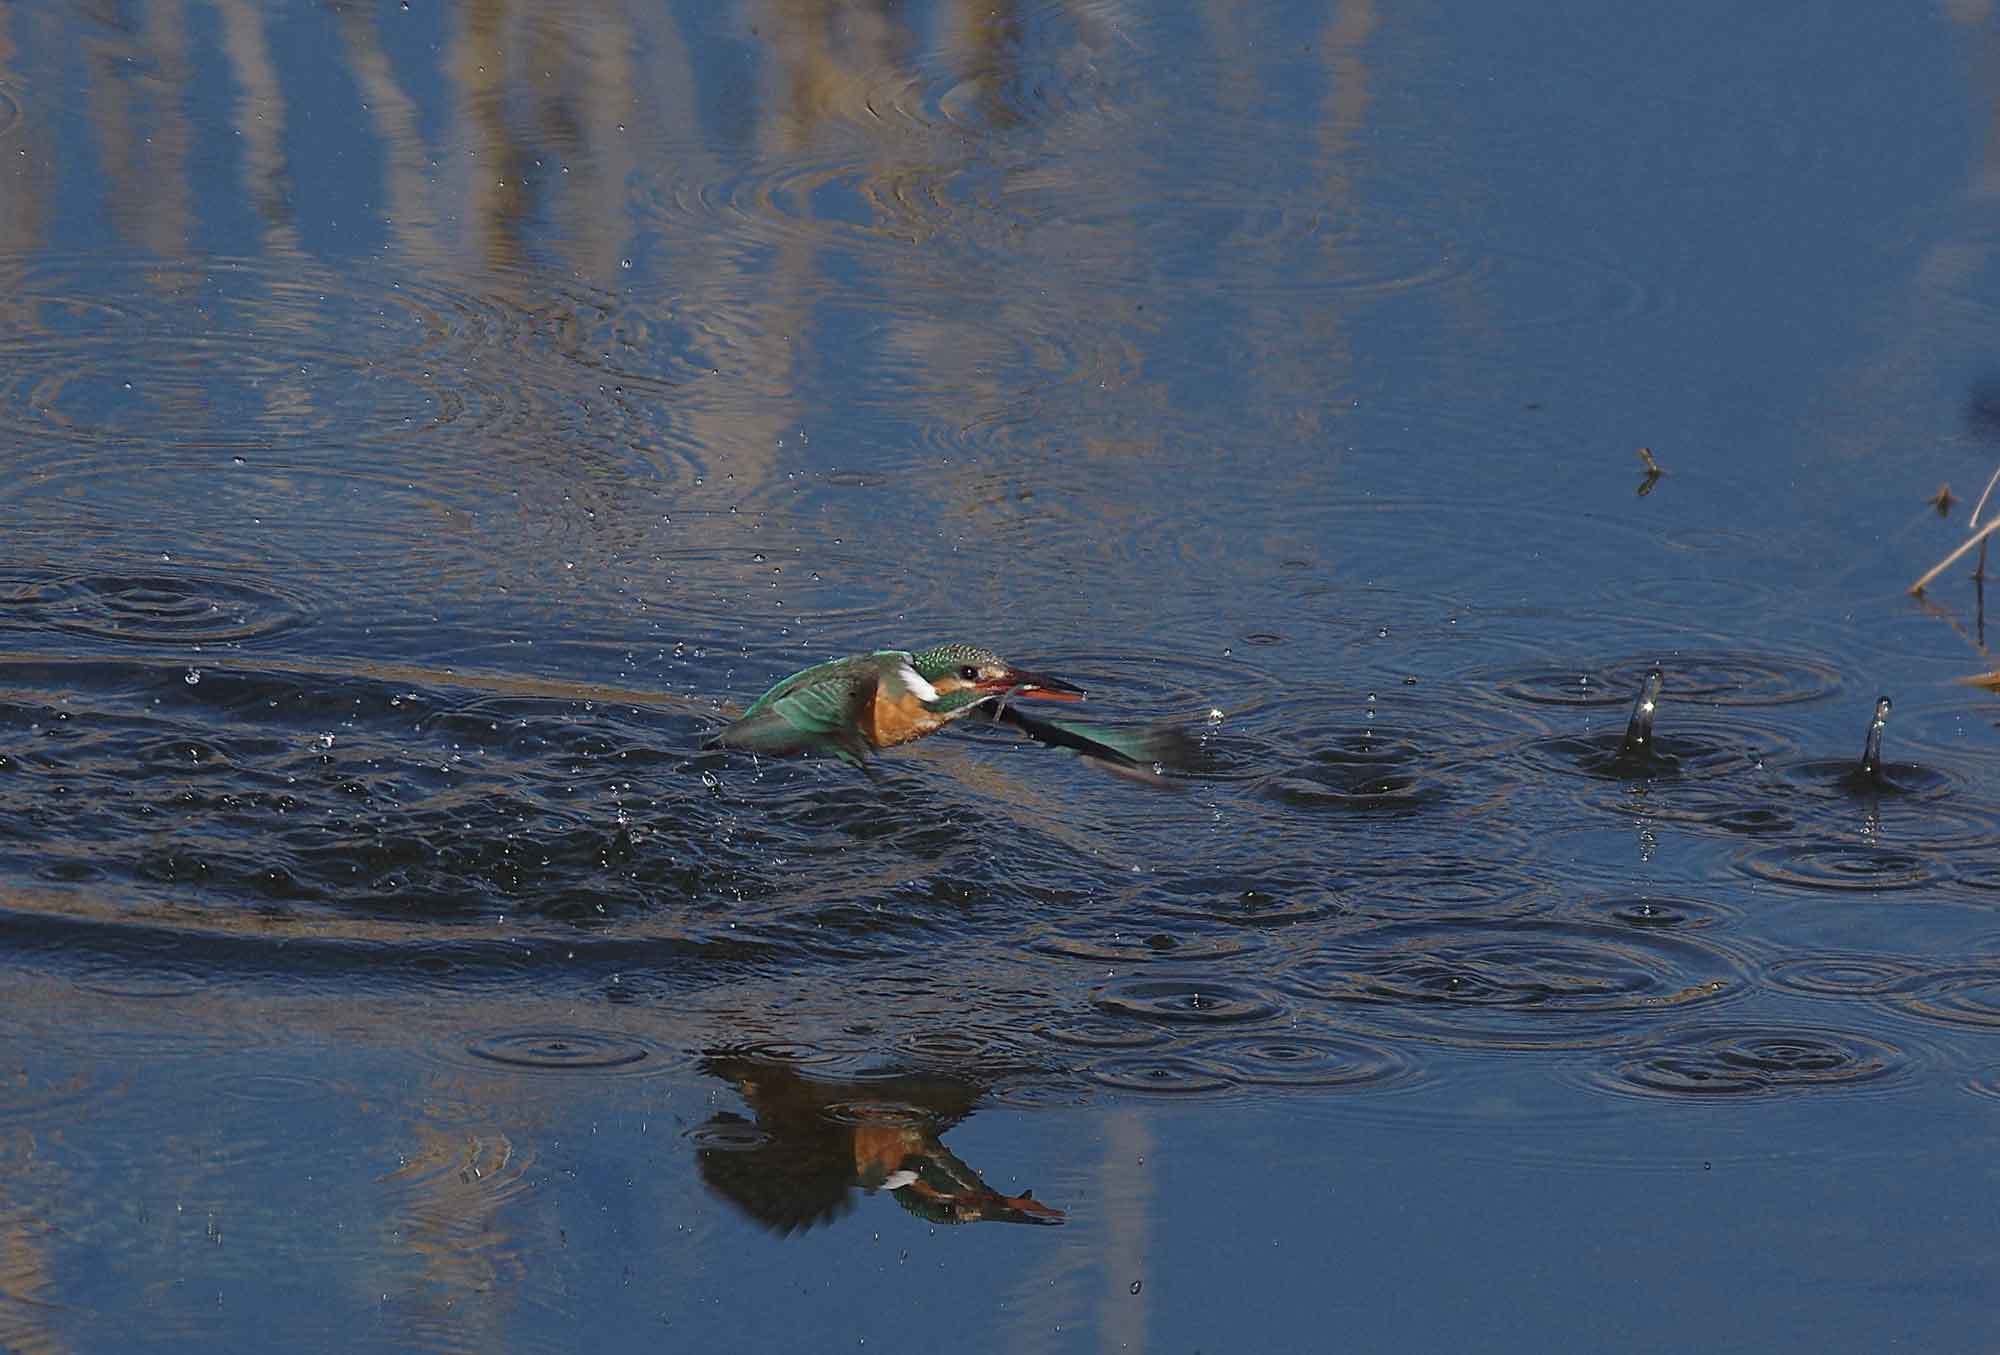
(173, 823)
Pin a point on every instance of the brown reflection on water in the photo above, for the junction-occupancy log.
(408, 202)
(143, 133)
(453, 1212)
(1343, 123)
(259, 117)
(29, 1295)
(29, 175)
(1126, 1186)
(574, 138)
(827, 58)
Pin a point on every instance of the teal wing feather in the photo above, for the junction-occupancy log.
(855, 668)
(814, 711)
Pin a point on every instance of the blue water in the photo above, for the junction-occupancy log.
(424, 426)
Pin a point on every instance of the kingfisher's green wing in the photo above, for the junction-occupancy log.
(818, 710)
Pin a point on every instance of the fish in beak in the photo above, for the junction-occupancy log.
(1034, 686)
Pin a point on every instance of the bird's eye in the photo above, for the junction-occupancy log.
(969, 673)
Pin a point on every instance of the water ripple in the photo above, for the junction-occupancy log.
(1094, 1030)
(1663, 912)
(1185, 1000)
(241, 354)
(1958, 996)
(1957, 731)
(1839, 866)
(1685, 751)
(1980, 875)
(184, 607)
(1846, 975)
(1517, 983)
(562, 1051)
(1162, 1074)
(1751, 1060)
(1717, 679)
(1842, 778)
(1072, 940)
(1274, 896)
(1305, 1058)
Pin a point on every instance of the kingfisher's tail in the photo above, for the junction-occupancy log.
(1139, 753)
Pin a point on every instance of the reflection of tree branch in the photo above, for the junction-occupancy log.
(1977, 639)
(1975, 539)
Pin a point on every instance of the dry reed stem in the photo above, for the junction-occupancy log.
(1979, 535)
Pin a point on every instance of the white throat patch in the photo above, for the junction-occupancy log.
(913, 682)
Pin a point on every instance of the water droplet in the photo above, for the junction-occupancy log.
(625, 263)
(193, 676)
(1137, 1285)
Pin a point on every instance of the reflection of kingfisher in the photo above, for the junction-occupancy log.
(869, 701)
(815, 1139)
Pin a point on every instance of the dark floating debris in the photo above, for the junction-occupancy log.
(1977, 537)
(1638, 739)
(1943, 500)
(1871, 752)
(1653, 471)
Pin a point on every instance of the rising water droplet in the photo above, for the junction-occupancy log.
(1871, 753)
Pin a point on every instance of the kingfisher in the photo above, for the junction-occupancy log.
(817, 1139)
(847, 708)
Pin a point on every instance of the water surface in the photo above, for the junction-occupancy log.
(425, 424)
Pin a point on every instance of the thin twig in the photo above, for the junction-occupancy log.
(1984, 495)
(1969, 543)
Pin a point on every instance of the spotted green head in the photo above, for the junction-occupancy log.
(964, 675)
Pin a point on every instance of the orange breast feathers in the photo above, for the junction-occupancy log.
(897, 716)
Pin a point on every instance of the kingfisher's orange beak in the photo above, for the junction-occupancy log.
(1032, 685)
